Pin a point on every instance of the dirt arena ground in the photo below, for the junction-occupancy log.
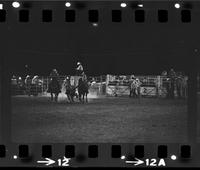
(105, 119)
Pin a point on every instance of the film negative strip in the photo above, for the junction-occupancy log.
(100, 83)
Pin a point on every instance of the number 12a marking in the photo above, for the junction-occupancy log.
(154, 162)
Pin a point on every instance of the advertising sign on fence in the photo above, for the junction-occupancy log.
(148, 91)
(117, 90)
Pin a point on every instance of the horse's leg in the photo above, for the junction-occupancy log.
(83, 97)
(139, 95)
(79, 96)
(86, 97)
(131, 92)
(56, 97)
(135, 93)
(51, 96)
(72, 97)
(76, 94)
(68, 97)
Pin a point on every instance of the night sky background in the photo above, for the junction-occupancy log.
(109, 48)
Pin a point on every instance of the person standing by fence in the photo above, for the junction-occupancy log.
(28, 82)
(133, 87)
(172, 76)
(179, 85)
(138, 86)
(185, 86)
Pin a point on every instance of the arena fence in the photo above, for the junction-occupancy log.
(40, 87)
(110, 85)
(150, 85)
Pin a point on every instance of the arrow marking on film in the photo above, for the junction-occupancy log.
(138, 162)
(47, 162)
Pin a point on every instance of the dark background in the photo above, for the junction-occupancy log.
(110, 48)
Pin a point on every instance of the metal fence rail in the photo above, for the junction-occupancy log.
(106, 84)
(18, 86)
(151, 85)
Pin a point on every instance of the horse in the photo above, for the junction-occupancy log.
(83, 89)
(70, 90)
(54, 88)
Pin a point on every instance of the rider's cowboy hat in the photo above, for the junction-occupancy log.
(54, 70)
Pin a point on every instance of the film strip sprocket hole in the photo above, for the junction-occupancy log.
(139, 15)
(24, 16)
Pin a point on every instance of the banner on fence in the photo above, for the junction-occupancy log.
(117, 90)
(148, 91)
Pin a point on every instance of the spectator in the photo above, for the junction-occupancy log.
(164, 73)
(179, 85)
(172, 76)
(54, 74)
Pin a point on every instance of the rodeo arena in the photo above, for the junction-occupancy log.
(162, 86)
(108, 108)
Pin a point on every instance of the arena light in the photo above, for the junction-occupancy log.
(140, 5)
(177, 5)
(67, 4)
(123, 5)
(1, 6)
(16, 4)
(123, 157)
(95, 24)
(173, 157)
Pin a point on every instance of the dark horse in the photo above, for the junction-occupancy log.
(83, 89)
(54, 88)
(70, 91)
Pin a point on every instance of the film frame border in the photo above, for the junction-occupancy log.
(82, 149)
(140, 8)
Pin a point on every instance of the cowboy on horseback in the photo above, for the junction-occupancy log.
(79, 69)
(54, 74)
(54, 85)
(83, 88)
(70, 89)
(79, 73)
